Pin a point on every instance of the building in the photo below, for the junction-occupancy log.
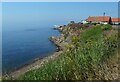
(99, 19)
(84, 22)
(115, 20)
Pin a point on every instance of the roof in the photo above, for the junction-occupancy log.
(115, 19)
(98, 19)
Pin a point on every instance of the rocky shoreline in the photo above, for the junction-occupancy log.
(39, 62)
(35, 65)
(66, 33)
(58, 40)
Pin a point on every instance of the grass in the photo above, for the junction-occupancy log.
(82, 57)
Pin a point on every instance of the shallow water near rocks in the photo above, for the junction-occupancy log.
(22, 47)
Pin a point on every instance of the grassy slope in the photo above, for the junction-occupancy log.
(82, 58)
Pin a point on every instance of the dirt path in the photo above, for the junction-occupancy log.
(35, 65)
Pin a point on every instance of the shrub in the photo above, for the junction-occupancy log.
(94, 23)
(106, 27)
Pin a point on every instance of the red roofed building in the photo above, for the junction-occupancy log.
(115, 20)
(99, 19)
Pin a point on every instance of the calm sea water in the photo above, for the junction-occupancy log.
(22, 47)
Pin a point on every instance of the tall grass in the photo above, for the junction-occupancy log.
(81, 59)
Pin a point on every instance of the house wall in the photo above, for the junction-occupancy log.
(100, 22)
(84, 22)
(115, 22)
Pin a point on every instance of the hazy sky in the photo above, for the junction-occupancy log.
(59, 0)
(21, 15)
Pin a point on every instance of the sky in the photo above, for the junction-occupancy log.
(16, 14)
(59, 0)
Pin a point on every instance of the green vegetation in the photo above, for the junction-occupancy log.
(106, 27)
(82, 58)
(94, 23)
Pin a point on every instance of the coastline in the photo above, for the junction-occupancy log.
(34, 65)
(61, 43)
(39, 62)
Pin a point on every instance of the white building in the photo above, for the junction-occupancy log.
(84, 22)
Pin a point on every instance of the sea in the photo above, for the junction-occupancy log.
(21, 47)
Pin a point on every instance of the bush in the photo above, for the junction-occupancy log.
(94, 23)
(106, 27)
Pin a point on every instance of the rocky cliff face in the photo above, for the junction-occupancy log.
(67, 32)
